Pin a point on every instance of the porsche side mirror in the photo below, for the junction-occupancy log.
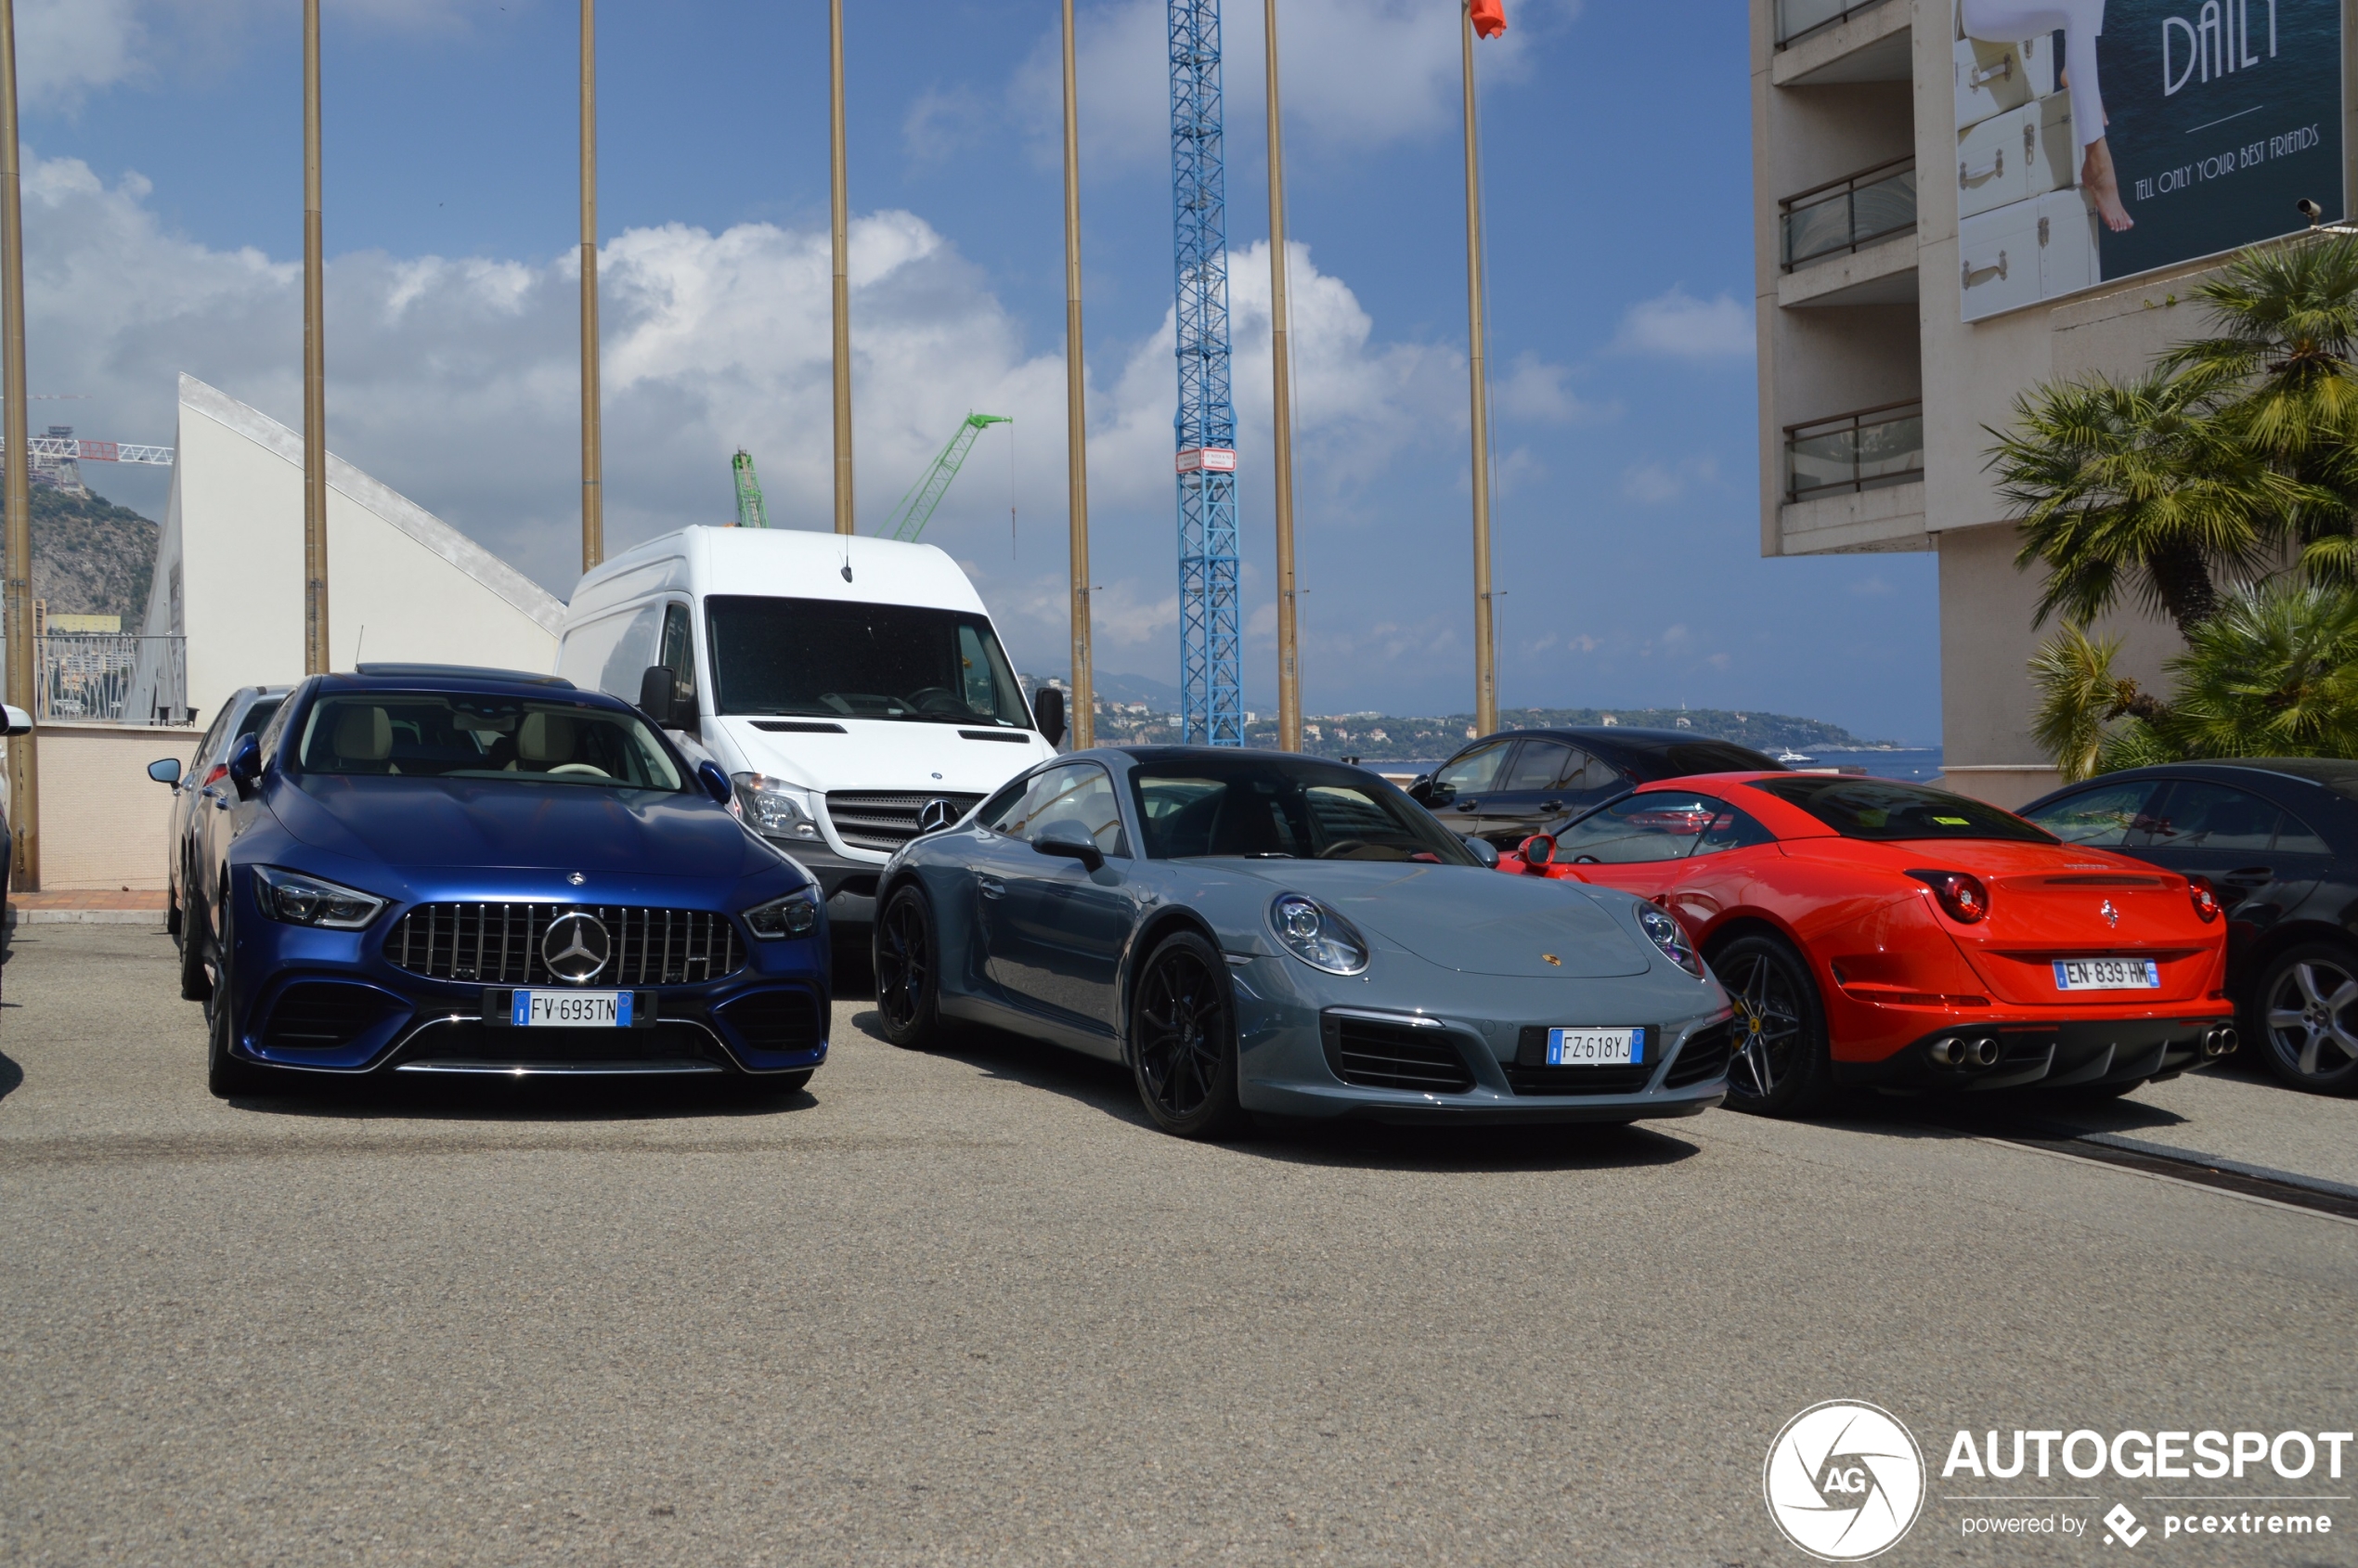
(1538, 849)
(1484, 850)
(166, 771)
(1048, 713)
(716, 782)
(245, 764)
(1071, 841)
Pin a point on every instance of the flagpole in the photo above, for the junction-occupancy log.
(1281, 406)
(593, 462)
(24, 794)
(1081, 720)
(840, 212)
(316, 655)
(1485, 650)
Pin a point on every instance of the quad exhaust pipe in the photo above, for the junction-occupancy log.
(1973, 1054)
(2221, 1041)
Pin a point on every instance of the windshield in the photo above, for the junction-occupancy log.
(1879, 809)
(843, 659)
(461, 737)
(1265, 806)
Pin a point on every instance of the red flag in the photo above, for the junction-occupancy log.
(1489, 18)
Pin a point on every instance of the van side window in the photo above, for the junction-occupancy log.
(679, 646)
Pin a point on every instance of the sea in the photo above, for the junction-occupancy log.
(1910, 765)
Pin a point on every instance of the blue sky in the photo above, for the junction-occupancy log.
(163, 218)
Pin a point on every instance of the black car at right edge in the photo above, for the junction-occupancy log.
(1505, 787)
(2277, 839)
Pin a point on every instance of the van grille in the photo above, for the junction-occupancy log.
(500, 944)
(887, 819)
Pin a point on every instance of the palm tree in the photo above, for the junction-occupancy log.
(2137, 486)
(2273, 674)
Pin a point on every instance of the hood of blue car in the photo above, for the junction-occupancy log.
(492, 824)
(1474, 921)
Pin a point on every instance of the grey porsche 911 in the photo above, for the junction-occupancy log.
(1254, 931)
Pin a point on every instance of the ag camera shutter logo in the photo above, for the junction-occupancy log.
(1844, 1480)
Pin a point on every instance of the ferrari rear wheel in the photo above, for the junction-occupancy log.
(2306, 1022)
(908, 970)
(1779, 1065)
(1182, 1040)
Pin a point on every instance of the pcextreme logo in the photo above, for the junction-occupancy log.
(1844, 1480)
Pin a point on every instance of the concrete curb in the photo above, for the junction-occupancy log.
(2241, 1167)
(17, 916)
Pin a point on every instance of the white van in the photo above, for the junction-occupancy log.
(853, 688)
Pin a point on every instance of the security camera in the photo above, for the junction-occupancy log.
(2310, 210)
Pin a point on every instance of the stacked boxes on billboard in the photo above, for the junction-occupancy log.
(2098, 139)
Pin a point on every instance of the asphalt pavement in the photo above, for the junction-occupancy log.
(968, 1307)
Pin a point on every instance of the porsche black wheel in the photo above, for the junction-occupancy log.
(1182, 1040)
(1779, 1065)
(908, 972)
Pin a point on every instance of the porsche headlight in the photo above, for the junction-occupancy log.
(310, 901)
(792, 916)
(1668, 936)
(774, 808)
(1317, 935)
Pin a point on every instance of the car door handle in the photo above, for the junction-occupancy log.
(2254, 874)
(1552, 805)
(1468, 805)
(992, 887)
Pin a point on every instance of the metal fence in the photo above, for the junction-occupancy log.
(1853, 210)
(1855, 451)
(107, 677)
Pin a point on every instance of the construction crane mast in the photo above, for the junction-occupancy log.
(909, 518)
(1211, 661)
(752, 511)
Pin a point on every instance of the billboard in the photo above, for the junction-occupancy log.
(2097, 139)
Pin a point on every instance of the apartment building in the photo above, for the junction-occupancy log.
(1928, 246)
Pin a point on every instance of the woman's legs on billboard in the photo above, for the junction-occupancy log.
(2003, 21)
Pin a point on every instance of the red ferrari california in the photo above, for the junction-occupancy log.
(1878, 933)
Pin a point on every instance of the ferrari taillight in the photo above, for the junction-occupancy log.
(2205, 901)
(1963, 896)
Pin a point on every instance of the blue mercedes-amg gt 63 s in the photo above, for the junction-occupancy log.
(437, 870)
(1253, 931)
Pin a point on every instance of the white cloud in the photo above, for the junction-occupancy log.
(1656, 483)
(1684, 327)
(1534, 391)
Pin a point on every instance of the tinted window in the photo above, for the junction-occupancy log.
(1472, 772)
(1658, 825)
(1879, 809)
(2105, 818)
(1260, 806)
(1732, 830)
(1541, 765)
(500, 739)
(679, 645)
(1077, 793)
(833, 659)
(257, 717)
(1717, 756)
(2296, 837)
(2209, 816)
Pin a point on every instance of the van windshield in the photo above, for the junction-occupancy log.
(835, 658)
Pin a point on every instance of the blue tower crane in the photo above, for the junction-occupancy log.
(1211, 661)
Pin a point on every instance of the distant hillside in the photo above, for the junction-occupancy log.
(91, 557)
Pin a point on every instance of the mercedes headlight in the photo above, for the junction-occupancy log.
(1317, 935)
(1668, 936)
(794, 916)
(774, 807)
(309, 901)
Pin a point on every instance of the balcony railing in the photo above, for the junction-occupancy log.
(1855, 451)
(1797, 18)
(1853, 210)
(104, 677)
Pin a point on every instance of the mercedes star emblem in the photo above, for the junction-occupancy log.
(935, 816)
(576, 878)
(2112, 916)
(576, 946)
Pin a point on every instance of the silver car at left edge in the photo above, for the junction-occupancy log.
(1260, 932)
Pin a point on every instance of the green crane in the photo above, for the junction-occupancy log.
(908, 519)
(752, 511)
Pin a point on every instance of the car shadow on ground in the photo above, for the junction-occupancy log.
(10, 1075)
(1999, 1113)
(492, 1100)
(1109, 1088)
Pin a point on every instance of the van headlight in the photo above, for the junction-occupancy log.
(1670, 937)
(775, 808)
(310, 901)
(792, 916)
(1317, 935)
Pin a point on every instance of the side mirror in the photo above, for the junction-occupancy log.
(1071, 841)
(659, 695)
(1048, 713)
(166, 771)
(1538, 849)
(245, 764)
(716, 782)
(1484, 850)
(19, 723)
